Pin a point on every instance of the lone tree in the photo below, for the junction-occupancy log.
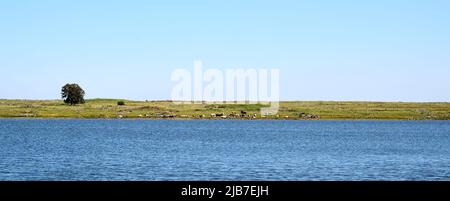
(72, 94)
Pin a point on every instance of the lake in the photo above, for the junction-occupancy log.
(69, 149)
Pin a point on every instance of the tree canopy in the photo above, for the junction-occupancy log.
(72, 94)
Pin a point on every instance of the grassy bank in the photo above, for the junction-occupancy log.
(108, 108)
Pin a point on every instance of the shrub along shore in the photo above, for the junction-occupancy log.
(296, 110)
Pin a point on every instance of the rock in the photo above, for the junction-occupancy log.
(166, 116)
(309, 116)
(234, 115)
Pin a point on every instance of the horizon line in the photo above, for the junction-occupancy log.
(225, 102)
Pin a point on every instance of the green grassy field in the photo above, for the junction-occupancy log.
(108, 108)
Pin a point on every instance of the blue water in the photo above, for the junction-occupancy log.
(223, 150)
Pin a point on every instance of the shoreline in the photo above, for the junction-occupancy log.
(167, 110)
(193, 119)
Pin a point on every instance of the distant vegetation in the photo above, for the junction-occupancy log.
(72, 94)
(110, 108)
(120, 102)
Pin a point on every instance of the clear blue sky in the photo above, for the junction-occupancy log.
(386, 50)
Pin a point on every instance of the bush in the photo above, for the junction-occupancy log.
(120, 103)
